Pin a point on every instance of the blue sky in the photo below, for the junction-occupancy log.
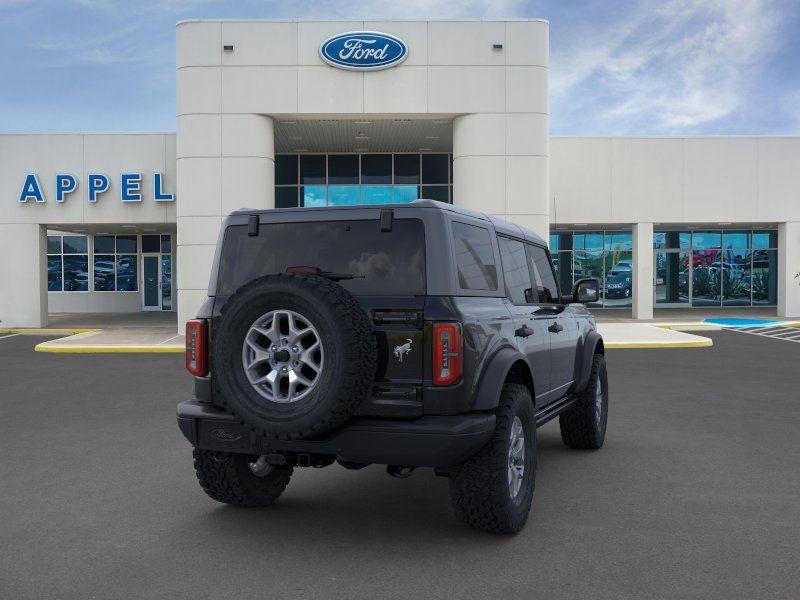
(617, 68)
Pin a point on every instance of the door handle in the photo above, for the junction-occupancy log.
(555, 328)
(524, 331)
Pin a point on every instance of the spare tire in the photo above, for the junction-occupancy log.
(292, 355)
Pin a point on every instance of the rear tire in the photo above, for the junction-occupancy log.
(583, 426)
(227, 477)
(481, 488)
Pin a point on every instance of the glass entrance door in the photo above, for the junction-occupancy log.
(151, 279)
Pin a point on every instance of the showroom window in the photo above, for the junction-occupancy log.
(115, 263)
(67, 263)
(716, 267)
(606, 255)
(361, 179)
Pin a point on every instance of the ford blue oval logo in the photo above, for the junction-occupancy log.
(363, 50)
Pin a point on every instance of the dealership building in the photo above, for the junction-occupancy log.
(274, 114)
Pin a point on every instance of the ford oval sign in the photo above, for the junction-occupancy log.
(363, 50)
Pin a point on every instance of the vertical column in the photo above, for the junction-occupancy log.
(23, 269)
(642, 271)
(225, 162)
(500, 167)
(788, 267)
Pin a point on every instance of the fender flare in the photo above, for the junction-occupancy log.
(593, 344)
(494, 375)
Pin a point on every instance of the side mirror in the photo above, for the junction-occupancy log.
(586, 290)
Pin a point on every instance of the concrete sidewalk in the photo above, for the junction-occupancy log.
(130, 339)
(642, 335)
(157, 333)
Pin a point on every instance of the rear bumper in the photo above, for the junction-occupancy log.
(429, 441)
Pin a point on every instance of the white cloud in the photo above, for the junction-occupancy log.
(670, 68)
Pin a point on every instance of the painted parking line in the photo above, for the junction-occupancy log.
(789, 334)
(2, 337)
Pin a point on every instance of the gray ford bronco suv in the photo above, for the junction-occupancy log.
(413, 335)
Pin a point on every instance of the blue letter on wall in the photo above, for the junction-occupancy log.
(158, 195)
(131, 188)
(31, 189)
(64, 185)
(97, 185)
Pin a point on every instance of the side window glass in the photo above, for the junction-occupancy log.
(515, 271)
(474, 257)
(543, 273)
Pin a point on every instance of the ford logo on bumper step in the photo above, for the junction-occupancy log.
(363, 50)
(226, 435)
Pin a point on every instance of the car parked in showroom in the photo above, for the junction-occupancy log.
(415, 335)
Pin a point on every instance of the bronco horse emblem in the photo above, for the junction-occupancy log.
(403, 349)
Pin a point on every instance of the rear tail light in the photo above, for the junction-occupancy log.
(197, 347)
(448, 353)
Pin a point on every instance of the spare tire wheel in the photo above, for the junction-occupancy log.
(294, 355)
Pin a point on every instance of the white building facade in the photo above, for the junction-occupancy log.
(268, 116)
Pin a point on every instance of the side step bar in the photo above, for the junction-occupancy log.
(551, 411)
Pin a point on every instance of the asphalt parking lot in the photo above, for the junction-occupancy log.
(695, 495)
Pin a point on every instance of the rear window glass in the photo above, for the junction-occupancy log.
(474, 257)
(384, 263)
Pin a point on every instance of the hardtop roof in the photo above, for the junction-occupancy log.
(500, 225)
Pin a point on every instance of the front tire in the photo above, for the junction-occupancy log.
(583, 426)
(493, 489)
(239, 479)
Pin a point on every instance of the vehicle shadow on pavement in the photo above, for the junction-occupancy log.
(364, 506)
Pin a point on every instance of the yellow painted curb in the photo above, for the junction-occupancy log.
(99, 349)
(46, 331)
(704, 343)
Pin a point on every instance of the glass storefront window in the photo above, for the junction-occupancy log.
(588, 241)
(126, 244)
(286, 169)
(765, 277)
(75, 244)
(54, 274)
(285, 197)
(672, 278)
(67, 263)
(376, 194)
(736, 277)
(54, 244)
(405, 193)
(376, 168)
(312, 168)
(672, 239)
(736, 239)
(706, 277)
(410, 176)
(104, 272)
(343, 195)
(314, 195)
(406, 168)
(76, 273)
(618, 241)
(434, 168)
(151, 243)
(166, 244)
(726, 277)
(435, 192)
(618, 287)
(705, 240)
(765, 239)
(343, 168)
(126, 274)
(104, 244)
